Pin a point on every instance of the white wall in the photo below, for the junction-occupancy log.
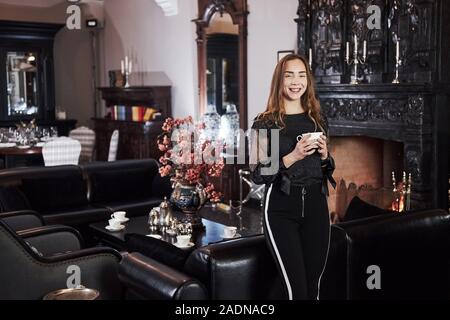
(74, 88)
(271, 28)
(160, 43)
(139, 29)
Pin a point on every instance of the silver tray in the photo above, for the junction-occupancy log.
(73, 294)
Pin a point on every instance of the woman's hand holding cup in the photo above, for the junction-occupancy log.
(323, 148)
(305, 147)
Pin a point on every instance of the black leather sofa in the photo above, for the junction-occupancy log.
(411, 250)
(79, 195)
(240, 269)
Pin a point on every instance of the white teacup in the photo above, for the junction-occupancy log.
(114, 223)
(119, 215)
(229, 232)
(312, 135)
(183, 239)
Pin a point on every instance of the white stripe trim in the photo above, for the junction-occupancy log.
(326, 259)
(288, 284)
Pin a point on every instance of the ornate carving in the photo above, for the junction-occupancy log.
(303, 15)
(415, 110)
(411, 22)
(375, 110)
(326, 38)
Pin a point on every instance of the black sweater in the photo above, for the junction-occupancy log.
(310, 170)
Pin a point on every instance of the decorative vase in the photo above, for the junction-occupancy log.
(211, 119)
(229, 126)
(189, 199)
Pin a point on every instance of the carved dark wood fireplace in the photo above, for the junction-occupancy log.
(413, 112)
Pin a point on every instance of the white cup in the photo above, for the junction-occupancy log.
(183, 239)
(229, 232)
(114, 223)
(119, 215)
(312, 135)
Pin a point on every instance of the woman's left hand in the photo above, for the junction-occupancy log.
(323, 149)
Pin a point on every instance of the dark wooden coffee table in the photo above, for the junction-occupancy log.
(249, 224)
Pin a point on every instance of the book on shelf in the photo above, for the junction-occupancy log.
(133, 113)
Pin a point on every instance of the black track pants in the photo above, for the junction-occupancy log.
(298, 233)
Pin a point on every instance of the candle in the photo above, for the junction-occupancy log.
(347, 51)
(310, 57)
(131, 66)
(397, 51)
(122, 68)
(355, 49)
(364, 49)
(126, 63)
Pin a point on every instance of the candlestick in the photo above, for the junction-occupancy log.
(397, 51)
(122, 67)
(394, 183)
(347, 51)
(126, 63)
(310, 57)
(364, 50)
(355, 49)
(131, 66)
(398, 62)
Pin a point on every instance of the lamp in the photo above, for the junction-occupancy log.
(31, 58)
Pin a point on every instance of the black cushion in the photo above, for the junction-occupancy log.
(51, 194)
(123, 184)
(159, 250)
(359, 209)
(13, 199)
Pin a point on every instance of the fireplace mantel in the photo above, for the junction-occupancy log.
(413, 114)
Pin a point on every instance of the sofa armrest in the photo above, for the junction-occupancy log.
(23, 219)
(54, 239)
(412, 245)
(150, 279)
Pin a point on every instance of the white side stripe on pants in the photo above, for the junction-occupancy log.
(326, 259)
(286, 279)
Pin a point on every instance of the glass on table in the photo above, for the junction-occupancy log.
(53, 132)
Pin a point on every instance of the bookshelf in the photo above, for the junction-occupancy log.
(130, 110)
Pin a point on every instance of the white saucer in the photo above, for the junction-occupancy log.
(123, 220)
(7, 145)
(24, 147)
(190, 244)
(156, 236)
(40, 144)
(109, 228)
(237, 235)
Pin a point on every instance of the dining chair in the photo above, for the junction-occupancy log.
(86, 137)
(60, 151)
(113, 145)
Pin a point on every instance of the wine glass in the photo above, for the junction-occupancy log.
(53, 132)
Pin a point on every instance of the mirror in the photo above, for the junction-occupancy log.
(222, 67)
(222, 56)
(22, 83)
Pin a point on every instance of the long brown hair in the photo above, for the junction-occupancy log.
(275, 109)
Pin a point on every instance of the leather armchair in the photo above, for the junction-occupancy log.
(235, 269)
(411, 250)
(24, 274)
(22, 219)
